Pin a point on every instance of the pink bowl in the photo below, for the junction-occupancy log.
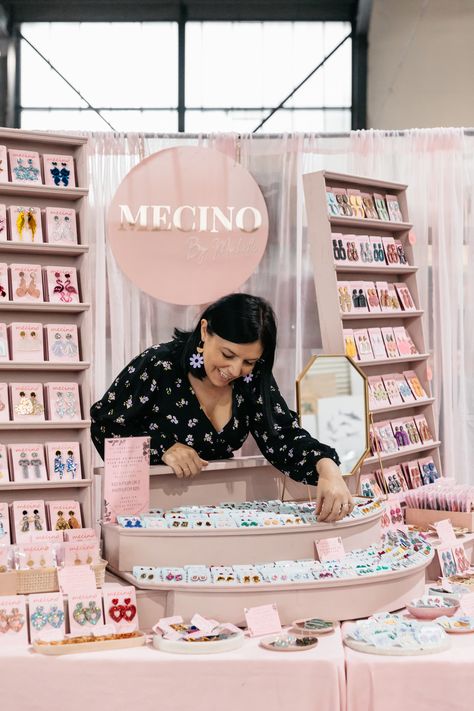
(431, 613)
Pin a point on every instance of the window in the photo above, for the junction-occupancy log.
(129, 71)
(235, 74)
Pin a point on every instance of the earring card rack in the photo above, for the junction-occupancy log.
(328, 272)
(50, 254)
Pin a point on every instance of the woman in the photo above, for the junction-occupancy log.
(200, 395)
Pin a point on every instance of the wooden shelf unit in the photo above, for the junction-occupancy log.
(77, 256)
(327, 273)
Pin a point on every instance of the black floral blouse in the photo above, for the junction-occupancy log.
(153, 396)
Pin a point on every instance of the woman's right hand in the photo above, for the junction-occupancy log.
(183, 460)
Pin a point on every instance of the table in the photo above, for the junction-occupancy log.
(443, 681)
(144, 679)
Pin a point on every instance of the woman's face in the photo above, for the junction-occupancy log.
(224, 361)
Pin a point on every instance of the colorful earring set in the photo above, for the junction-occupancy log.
(26, 172)
(40, 618)
(13, 621)
(91, 613)
(125, 612)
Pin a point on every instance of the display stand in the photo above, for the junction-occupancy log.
(327, 272)
(65, 255)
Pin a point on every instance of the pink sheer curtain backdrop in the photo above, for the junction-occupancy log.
(437, 164)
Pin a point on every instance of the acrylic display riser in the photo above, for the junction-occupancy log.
(332, 600)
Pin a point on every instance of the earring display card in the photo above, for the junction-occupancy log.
(376, 340)
(80, 535)
(369, 486)
(390, 342)
(27, 404)
(13, 626)
(388, 443)
(63, 401)
(378, 250)
(355, 201)
(403, 388)
(28, 517)
(345, 300)
(35, 556)
(61, 225)
(377, 392)
(351, 245)
(64, 461)
(120, 606)
(384, 300)
(338, 248)
(62, 342)
(46, 613)
(410, 428)
(405, 297)
(364, 348)
(391, 387)
(4, 346)
(62, 286)
(81, 553)
(423, 429)
(27, 462)
(365, 249)
(25, 224)
(404, 342)
(25, 167)
(3, 165)
(5, 536)
(415, 385)
(381, 207)
(332, 204)
(4, 404)
(27, 283)
(85, 612)
(393, 299)
(412, 473)
(342, 199)
(349, 344)
(393, 208)
(64, 515)
(372, 297)
(369, 206)
(402, 431)
(394, 481)
(59, 170)
(27, 342)
(3, 223)
(359, 297)
(4, 468)
(391, 252)
(4, 283)
(47, 537)
(429, 473)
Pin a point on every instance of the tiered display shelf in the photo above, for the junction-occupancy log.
(79, 314)
(327, 272)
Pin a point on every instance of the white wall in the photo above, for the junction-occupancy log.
(421, 64)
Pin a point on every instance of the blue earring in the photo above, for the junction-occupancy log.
(197, 359)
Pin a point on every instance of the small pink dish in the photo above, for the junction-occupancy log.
(431, 612)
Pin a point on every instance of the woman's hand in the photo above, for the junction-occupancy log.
(183, 460)
(333, 499)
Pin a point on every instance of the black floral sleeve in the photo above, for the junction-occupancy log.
(131, 406)
(286, 445)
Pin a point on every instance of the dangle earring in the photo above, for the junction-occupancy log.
(58, 464)
(32, 225)
(21, 289)
(197, 359)
(20, 223)
(64, 173)
(55, 173)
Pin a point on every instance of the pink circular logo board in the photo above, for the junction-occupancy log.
(188, 225)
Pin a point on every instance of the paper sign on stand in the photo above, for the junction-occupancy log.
(467, 604)
(445, 532)
(330, 549)
(76, 578)
(263, 619)
(126, 477)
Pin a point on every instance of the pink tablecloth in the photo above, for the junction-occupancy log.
(434, 682)
(144, 679)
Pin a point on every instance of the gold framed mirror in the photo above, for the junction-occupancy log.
(333, 406)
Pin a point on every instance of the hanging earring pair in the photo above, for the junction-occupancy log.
(197, 359)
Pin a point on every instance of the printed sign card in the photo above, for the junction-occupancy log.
(330, 549)
(262, 620)
(59, 170)
(13, 625)
(61, 225)
(126, 477)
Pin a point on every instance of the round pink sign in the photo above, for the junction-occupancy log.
(188, 225)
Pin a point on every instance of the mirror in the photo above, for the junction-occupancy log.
(332, 400)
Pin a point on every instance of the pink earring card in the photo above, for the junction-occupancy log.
(25, 224)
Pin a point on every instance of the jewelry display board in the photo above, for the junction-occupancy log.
(328, 232)
(43, 210)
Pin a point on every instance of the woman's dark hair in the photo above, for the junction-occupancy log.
(239, 318)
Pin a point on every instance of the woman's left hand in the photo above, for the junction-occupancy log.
(333, 498)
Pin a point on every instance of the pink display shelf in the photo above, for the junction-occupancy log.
(124, 548)
(343, 599)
